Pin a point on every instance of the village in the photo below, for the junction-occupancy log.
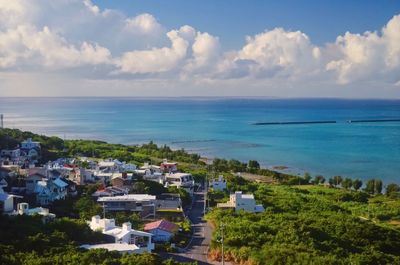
(28, 188)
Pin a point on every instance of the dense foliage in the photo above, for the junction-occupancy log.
(27, 240)
(309, 225)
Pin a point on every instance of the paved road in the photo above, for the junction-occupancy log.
(198, 248)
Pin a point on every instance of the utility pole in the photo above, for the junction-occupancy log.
(205, 190)
(1, 121)
(222, 243)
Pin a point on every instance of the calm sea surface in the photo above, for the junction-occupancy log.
(224, 128)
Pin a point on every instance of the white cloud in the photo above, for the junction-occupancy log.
(368, 56)
(144, 24)
(45, 48)
(77, 39)
(156, 59)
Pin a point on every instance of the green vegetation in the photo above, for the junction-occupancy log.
(25, 240)
(309, 224)
(305, 222)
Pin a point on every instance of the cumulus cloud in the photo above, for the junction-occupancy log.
(157, 59)
(272, 53)
(35, 37)
(368, 56)
(46, 48)
(144, 24)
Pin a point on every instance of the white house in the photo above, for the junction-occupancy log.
(240, 201)
(29, 144)
(23, 209)
(218, 184)
(48, 190)
(153, 168)
(30, 149)
(7, 202)
(128, 167)
(126, 239)
(161, 230)
(180, 180)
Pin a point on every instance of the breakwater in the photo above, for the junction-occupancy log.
(324, 122)
(387, 120)
(293, 122)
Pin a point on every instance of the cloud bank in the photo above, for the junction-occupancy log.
(104, 52)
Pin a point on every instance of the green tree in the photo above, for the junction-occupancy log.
(319, 179)
(254, 164)
(307, 178)
(331, 182)
(357, 183)
(374, 186)
(378, 186)
(337, 180)
(392, 190)
(347, 183)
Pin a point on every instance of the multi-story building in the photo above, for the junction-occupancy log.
(239, 201)
(143, 204)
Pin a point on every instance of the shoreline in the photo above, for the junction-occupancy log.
(281, 167)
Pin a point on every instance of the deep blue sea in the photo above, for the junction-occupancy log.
(224, 128)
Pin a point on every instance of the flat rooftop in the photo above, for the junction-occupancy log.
(128, 197)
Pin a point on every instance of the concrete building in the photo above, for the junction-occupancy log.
(127, 240)
(180, 180)
(23, 209)
(240, 201)
(169, 167)
(143, 204)
(218, 184)
(7, 202)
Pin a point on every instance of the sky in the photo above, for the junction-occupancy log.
(242, 48)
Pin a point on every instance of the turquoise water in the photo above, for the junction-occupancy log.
(223, 128)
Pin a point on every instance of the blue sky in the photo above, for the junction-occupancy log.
(321, 20)
(244, 48)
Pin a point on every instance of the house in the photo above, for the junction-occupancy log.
(127, 240)
(110, 191)
(6, 172)
(11, 154)
(152, 168)
(169, 201)
(31, 149)
(161, 230)
(103, 177)
(180, 180)
(149, 174)
(218, 184)
(49, 190)
(29, 144)
(143, 204)
(239, 201)
(31, 181)
(121, 179)
(169, 167)
(128, 167)
(109, 166)
(6, 202)
(23, 209)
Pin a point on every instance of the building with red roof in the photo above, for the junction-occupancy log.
(162, 230)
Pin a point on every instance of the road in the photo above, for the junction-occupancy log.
(198, 247)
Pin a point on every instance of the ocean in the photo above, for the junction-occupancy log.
(224, 127)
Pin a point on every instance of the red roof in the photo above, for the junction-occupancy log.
(162, 225)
